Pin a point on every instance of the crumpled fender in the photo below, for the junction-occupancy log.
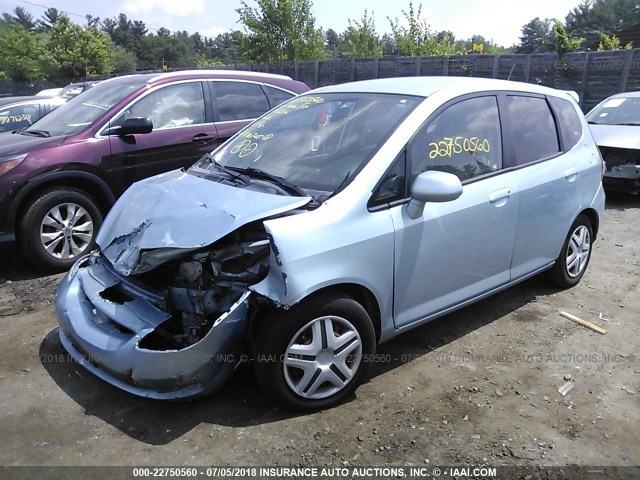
(329, 246)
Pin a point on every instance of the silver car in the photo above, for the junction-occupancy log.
(336, 221)
(615, 125)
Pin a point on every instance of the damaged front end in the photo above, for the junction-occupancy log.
(623, 168)
(202, 286)
(167, 322)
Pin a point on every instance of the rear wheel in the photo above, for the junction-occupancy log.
(314, 355)
(575, 255)
(58, 227)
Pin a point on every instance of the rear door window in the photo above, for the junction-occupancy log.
(239, 101)
(533, 129)
(465, 139)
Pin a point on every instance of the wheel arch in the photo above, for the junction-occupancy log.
(360, 294)
(594, 218)
(91, 184)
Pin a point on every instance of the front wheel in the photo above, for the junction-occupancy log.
(575, 255)
(58, 227)
(314, 355)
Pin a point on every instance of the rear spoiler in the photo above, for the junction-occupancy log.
(573, 94)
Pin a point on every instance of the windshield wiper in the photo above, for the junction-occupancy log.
(36, 133)
(207, 161)
(630, 124)
(262, 175)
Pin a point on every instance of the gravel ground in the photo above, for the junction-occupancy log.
(478, 386)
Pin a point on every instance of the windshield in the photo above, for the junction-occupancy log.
(84, 109)
(616, 111)
(315, 142)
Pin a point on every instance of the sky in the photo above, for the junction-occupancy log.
(497, 20)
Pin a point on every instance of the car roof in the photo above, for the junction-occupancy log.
(154, 78)
(426, 86)
(217, 74)
(24, 98)
(626, 95)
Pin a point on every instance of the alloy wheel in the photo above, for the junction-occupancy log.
(66, 231)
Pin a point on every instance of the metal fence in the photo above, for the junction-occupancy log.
(593, 75)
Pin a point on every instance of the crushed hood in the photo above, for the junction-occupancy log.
(616, 136)
(175, 211)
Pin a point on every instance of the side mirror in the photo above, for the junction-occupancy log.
(432, 186)
(132, 126)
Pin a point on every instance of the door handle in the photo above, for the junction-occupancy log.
(571, 173)
(498, 195)
(203, 138)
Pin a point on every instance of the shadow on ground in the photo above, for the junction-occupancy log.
(242, 403)
(622, 201)
(14, 265)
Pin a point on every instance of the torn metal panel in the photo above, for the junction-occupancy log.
(177, 211)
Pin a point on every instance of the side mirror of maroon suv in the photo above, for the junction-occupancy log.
(60, 176)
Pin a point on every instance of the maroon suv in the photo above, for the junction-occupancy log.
(60, 176)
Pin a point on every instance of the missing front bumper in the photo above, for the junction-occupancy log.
(104, 337)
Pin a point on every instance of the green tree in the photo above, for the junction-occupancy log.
(204, 61)
(417, 39)
(226, 47)
(591, 18)
(564, 43)
(281, 30)
(92, 21)
(611, 43)
(78, 51)
(537, 37)
(20, 17)
(332, 41)
(361, 39)
(389, 46)
(23, 56)
(49, 18)
(166, 50)
(122, 61)
(488, 46)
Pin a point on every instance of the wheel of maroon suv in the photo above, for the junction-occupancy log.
(58, 227)
(315, 354)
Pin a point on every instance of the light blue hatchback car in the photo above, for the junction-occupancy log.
(340, 219)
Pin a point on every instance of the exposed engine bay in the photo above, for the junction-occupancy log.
(201, 286)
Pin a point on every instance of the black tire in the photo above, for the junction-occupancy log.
(559, 274)
(29, 228)
(280, 328)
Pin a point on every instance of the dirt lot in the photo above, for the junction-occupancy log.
(478, 386)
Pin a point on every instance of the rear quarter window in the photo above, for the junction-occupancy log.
(277, 96)
(569, 121)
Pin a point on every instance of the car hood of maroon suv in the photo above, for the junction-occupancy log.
(17, 143)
